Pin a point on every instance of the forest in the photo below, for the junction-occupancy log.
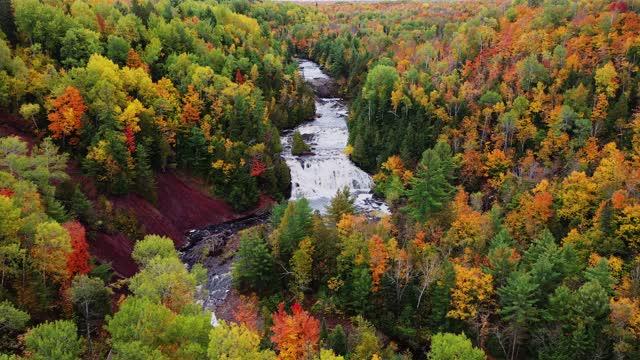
(504, 135)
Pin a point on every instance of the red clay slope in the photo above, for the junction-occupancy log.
(181, 206)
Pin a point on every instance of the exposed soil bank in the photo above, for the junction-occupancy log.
(182, 205)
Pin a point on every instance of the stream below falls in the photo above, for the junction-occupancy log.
(316, 176)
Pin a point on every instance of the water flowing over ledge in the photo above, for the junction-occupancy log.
(317, 176)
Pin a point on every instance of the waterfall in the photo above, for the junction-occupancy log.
(319, 175)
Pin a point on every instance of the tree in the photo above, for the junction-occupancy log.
(338, 340)
(7, 21)
(518, 300)
(296, 335)
(30, 111)
(166, 281)
(447, 346)
(118, 49)
(298, 146)
(254, 266)
(78, 45)
(341, 203)
(229, 341)
(430, 187)
(471, 294)
(66, 118)
(144, 329)
(153, 246)
(12, 322)
(92, 302)
(607, 80)
(192, 106)
(429, 268)
(51, 250)
(55, 340)
(295, 224)
(301, 267)
(378, 259)
(78, 260)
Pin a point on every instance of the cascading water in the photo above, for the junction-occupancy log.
(317, 176)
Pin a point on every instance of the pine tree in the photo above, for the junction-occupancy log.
(254, 267)
(518, 299)
(7, 21)
(145, 183)
(342, 203)
(338, 340)
(298, 146)
(430, 188)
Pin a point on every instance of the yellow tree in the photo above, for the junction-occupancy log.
(52, 246)
(471, 294)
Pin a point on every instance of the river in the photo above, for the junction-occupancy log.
(316, 176)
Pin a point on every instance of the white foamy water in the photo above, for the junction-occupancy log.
(320, 175)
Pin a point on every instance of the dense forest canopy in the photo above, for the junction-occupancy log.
(504, 135)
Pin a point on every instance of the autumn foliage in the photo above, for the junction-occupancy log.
(78, 259)
(296, 335)
(66, 118)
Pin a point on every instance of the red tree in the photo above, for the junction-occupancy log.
(239, 78)
(78, 260)
(296, 335)
(257, 167)
(131, 140)
(6, 192)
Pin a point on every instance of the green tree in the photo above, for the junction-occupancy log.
(153, 246)
(430, 187)
(295, 224)
(447, 346)
(342, 203)
(230, 341)
(518, 299)
(298, 146)
(301, 267)
(55, 340)
(12, 322)
(338, 340)
(531, 72)
(78, 45)
(117, 49)
(143, 329)
(92, 302)
(51, 247)
(254, 266)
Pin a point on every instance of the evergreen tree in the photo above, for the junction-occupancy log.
(254, 267)
(430, 188)
(298, 146)
(295, 225)
(342, 203)
(145, 183)
(55, 340)
(338, 340)
(518, 299)
(12, 322)
(7, 21)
